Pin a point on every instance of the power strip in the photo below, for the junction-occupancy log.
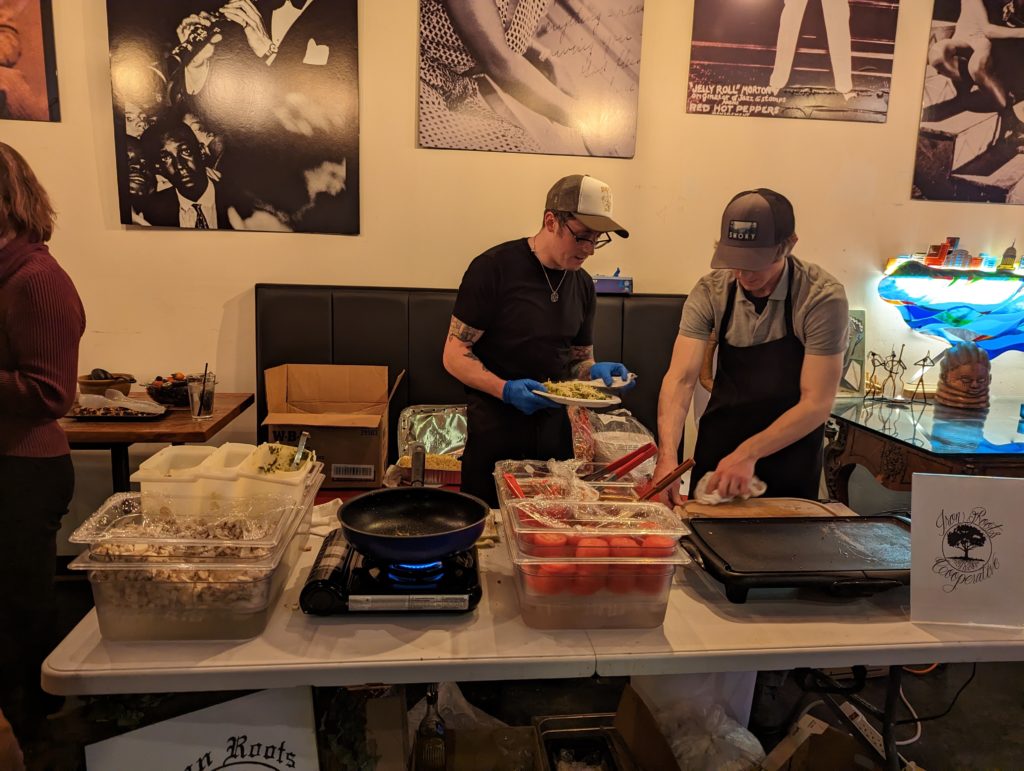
(867, 730)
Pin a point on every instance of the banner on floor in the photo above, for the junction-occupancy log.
(266, 730)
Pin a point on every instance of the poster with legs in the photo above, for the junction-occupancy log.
(820, 59)
(28, 65)
(236, 114)
(559, 77)
(970, 144)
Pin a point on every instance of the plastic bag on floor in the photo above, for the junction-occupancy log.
(707, 739)
(456, 712)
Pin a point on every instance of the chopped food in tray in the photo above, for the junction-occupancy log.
(78, 411)
(147, 528)
(185, 590)
(273, 458)
(434, 462)
(576, 390)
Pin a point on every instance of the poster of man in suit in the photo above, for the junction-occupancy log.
(237, 114)
(28, 68)
(819, 59)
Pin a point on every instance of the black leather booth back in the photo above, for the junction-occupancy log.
(405, 329)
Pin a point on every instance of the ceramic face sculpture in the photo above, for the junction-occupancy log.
(965, 377)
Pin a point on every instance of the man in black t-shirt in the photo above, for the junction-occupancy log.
(524, 314)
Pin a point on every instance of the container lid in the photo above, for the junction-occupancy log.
(249, 560)
(600, 519)
(150, 527)
(174, 463)
(224, 462)
(666, 555)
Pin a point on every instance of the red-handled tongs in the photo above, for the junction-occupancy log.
(513, 485)
(619, 468)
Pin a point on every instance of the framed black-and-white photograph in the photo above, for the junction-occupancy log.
(236, 114)
(28, 65)
(971, 138)
(559, 77)
(819, 59)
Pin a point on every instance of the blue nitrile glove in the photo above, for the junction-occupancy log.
(519, 393)
(606, 370)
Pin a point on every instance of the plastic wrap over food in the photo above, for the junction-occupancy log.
(617, 433)
(441, 428)
(115, 400)
(599, 518)
(142, 527)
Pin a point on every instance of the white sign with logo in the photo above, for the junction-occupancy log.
(267, 730)
(967, 550)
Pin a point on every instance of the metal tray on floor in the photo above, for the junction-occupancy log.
(591, 736)
(846, 556)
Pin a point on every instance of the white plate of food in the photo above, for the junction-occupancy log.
(573, 392)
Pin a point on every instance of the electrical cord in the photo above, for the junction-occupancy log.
(924, 671)
(974, 671)
(910, 708)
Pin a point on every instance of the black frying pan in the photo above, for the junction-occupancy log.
(413, 524)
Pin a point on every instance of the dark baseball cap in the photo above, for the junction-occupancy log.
(588, 199)
(754, 224)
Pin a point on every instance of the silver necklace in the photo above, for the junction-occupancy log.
(554, 289)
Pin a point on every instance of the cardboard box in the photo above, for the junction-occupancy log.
(814, 745)
(345, 410)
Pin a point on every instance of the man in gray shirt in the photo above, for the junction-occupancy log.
(779, 357)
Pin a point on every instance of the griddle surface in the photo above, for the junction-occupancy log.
(807, 545)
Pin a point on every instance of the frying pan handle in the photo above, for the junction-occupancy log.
(418, 455)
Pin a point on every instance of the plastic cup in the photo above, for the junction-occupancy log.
(200, 396)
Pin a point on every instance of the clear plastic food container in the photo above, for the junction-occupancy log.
(598, 587)
(150, 528)
(555, 528)
(268, 471)
(229, 599)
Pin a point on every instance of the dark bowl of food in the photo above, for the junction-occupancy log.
(171, 391)
(99, 380)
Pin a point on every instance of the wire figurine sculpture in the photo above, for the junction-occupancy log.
(924, 365)
(894, 367)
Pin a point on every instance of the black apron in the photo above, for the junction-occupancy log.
(753, 387)
(498, 431)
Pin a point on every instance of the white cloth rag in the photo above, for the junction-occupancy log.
(325, 517)
(701, 494)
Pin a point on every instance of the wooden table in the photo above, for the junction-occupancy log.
(176, 427)
(895, 441)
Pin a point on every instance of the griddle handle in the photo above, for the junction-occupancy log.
(861, 587)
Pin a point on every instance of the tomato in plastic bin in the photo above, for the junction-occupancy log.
(549, 578)
(551, 544)
(590, 576)
(652, 579)
(622, 577)
(658, 545)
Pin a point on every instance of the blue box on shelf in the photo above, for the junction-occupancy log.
(613, 284)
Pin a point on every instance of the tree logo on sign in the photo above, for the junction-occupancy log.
(968, 556)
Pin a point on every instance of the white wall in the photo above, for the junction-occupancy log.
(164, 301)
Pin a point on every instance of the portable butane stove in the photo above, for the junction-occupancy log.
(356, 583)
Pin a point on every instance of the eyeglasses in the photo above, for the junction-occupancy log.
(602, 239)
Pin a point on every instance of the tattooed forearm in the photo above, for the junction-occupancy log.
(463, 332)
(581, 359)
(473, 357)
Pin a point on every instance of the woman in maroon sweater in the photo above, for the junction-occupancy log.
(41, 323)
